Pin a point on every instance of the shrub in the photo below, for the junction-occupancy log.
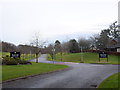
(11, 62)
(24, 62)
(5, 60)
(7, 55)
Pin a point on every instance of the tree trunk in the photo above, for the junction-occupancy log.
(36, 57)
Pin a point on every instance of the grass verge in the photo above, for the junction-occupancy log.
(111, 82)
(87, 58)
(15, 71)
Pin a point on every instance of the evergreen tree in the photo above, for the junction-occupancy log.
(73, 46)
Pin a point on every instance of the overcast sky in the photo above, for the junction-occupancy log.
(54, 19)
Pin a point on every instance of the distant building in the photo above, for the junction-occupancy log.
(114, 45)
(118, 49)
(117, 45)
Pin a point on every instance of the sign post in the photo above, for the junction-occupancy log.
(15, 54)
(103, 55)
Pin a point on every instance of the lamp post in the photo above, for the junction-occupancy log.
(31, 50)
(81, 55)
(53, 54)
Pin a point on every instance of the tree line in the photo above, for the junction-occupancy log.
(100, 41)
(97, 42)
(24, 49)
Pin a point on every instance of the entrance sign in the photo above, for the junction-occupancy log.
(103, 55)
(15, 54)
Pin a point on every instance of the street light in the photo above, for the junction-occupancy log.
(81, 55)
(31, 50)
(53, 54)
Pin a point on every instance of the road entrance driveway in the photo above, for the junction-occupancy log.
(79, 75)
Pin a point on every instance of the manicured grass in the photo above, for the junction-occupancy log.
(111, 82)
(14, 71)
(28, 56)
(23, 56)
(87, 58)
(0, 73)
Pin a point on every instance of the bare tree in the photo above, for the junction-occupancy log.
(38, 43)
(65, 47)
(94, 40)
(84, 43)
(50, 50)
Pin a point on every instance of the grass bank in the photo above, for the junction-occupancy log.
(15, 71)
(87, 58)
(111, 82)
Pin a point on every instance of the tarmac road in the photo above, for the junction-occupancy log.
(79, 75)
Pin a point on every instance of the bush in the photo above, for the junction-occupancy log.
(9, 61)
(5, 60)
(24, 62)
(13, 61)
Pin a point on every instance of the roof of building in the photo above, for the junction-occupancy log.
(118, 42)
(117, 45)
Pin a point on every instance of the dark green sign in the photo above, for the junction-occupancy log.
(103, 55)
(15, 54)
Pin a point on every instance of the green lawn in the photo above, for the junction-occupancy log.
(0, 73)
(23, 56)
(14, 71)
(87, 58)
(111, 82)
